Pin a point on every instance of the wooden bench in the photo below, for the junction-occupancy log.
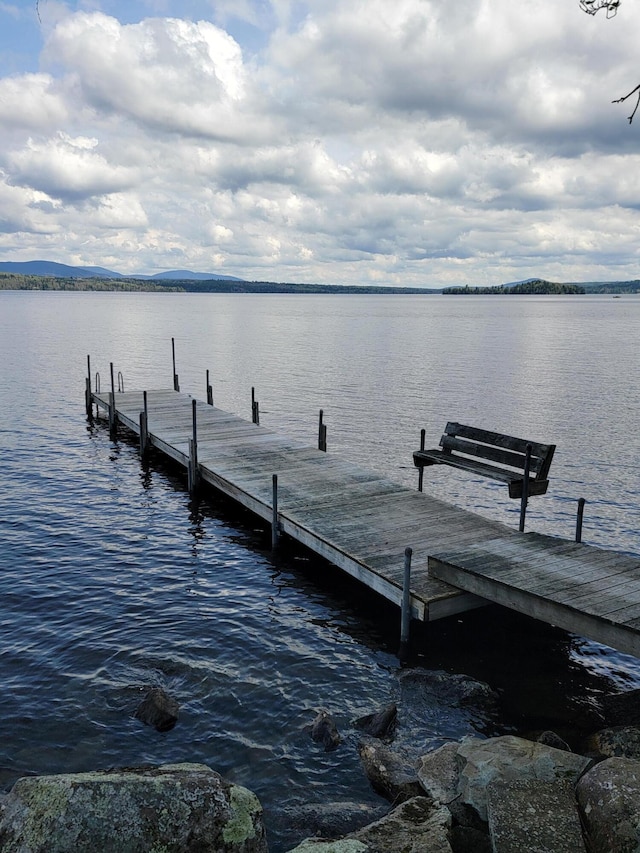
(523, 465)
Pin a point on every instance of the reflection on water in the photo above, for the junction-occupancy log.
(114, 579)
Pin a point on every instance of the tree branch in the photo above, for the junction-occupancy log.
(624, 98)
(593, 6)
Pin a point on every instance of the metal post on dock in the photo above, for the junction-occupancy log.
(423, 434)
(87, 392)
(176, 384)
(405, 616)
(144, 427)
(113, 418)
(581, 504)
(209, 391)
(255, 407)
(192, 470)
(322, 433)
(525, 488)
(275, 525)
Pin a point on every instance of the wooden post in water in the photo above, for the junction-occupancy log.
(405, 616)
(423, 434)
(525, 488)
(87, 391)
(322, 433)
(209, 391)
(113, 418)
(144, 427)
(275, 526)
(193, 474)
(581, 504)
(255, 407)
(176, 384)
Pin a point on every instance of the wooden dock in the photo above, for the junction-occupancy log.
(363, 522)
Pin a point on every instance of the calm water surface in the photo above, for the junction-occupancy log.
(112, 579)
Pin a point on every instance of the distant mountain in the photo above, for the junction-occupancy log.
(56, 270)
(187, 275)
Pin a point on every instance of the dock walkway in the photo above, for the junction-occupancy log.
(362, 522)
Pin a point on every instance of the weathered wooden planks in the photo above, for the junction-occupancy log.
(362, 522)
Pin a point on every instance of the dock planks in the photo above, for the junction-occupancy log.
(362, 522)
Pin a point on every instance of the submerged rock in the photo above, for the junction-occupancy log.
(324, 730)
(381, 724)
(173, 809)
(158, 709)
(413, 827)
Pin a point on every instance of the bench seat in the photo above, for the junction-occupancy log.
(513, 479)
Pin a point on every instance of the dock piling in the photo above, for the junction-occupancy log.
(275, 525)
(144, 427)
(322, 433)
(255, 408)
(176, 383)
(209, 391)
(87, 393)
(113, 416)
(193, 474)
(581, 504)
(405, 615)
(423, 433)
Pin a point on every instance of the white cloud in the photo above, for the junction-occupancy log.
(418, 142)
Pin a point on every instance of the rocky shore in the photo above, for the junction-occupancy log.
(505, 794)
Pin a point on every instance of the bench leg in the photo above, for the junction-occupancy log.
(525, 488)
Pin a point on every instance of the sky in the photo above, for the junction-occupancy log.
(418, 143)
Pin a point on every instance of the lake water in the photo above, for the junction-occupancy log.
(112, 579)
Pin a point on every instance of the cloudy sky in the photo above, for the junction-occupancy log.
(400, 142)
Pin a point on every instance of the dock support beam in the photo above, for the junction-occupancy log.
(144, 428)
(193, 473)
(405, 616)
(255, 408)
(275, 524)
(581, 504)
(87, 392)
(322, 433)
(113, 417)
(525, 488)
(176, 384)
(209, 391)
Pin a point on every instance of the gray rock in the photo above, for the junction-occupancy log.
(438, 772)
(413, 827)
(549, 738)
(534, 817)
(507, 759)
(609, 795)
(619, 741)
(388, 771)
(324, 730)
(158, 709)
(173, 808)
(329, 820)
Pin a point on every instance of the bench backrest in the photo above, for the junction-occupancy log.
(502, 449)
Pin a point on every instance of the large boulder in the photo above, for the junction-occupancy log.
(173, 808)
(390, 773)
(508, 759)
(413, 827)
(609, 795)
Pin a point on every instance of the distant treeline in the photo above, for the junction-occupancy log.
(9, 281)
(535, 286)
